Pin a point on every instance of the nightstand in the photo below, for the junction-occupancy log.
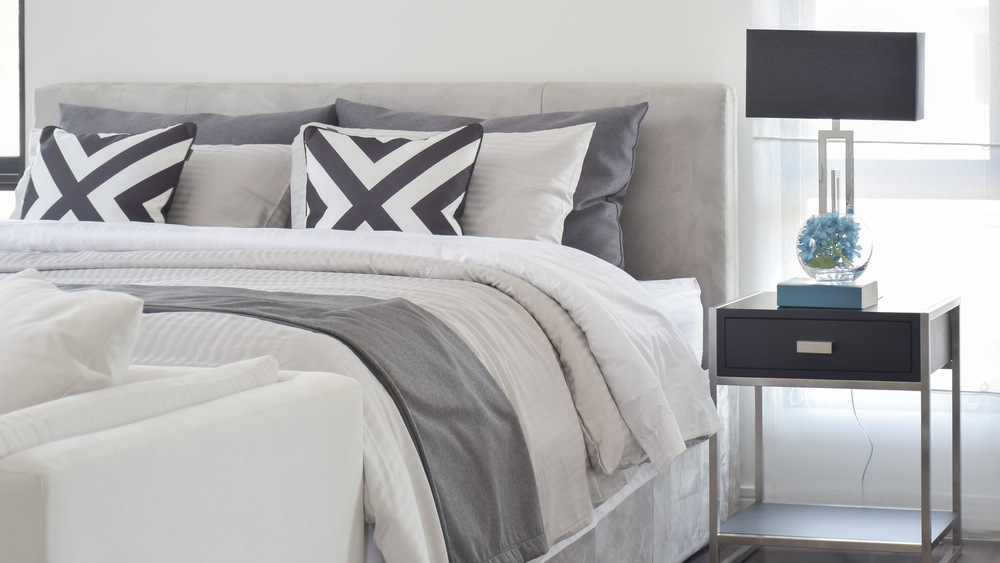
(893, 345)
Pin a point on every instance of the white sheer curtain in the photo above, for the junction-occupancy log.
(930, 193)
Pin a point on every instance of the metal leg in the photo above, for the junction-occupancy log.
(713, 483)
(956, 430)
(758, 427)
(925, 443)
(713, 497)
(925, 475)
(747, 550)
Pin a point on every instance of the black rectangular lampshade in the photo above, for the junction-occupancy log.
(835, 75)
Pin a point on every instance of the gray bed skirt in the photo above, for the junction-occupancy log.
(666, 519)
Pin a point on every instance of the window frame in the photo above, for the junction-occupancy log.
(12, 167)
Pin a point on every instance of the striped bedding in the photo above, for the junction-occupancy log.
(599, 379)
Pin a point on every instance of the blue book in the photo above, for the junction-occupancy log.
(806, 292)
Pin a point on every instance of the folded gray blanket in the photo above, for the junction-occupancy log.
(463, 426)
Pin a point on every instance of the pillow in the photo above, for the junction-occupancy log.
(213, 128)
(105, 177)
(384, 180)
(128, 404)
(233, 186)
(593, 226)
(523, 183)
(58, 343)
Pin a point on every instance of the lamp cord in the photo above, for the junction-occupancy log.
(871, 446)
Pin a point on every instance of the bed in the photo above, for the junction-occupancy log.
(615, 414)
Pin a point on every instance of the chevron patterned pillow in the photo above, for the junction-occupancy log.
(105, 177)
(357, 179)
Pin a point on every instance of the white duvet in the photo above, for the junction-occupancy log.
(645, 371)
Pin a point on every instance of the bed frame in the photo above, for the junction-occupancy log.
(679, 220)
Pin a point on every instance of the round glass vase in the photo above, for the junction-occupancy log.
(834, 247)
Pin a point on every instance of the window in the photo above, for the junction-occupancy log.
(11, 89)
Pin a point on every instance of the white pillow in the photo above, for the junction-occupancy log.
(127, 404)
(233, 186)
(522, 185)
(58, 343)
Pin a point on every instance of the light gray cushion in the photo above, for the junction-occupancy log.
(593, 226)
(213, 129)
(234, 186)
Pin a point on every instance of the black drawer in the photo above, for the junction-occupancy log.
(859, 348)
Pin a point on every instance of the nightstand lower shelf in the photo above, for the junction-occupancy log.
(834, 527)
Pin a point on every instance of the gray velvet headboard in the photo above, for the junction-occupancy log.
(679, 218)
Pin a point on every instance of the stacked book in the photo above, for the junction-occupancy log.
(806, 292)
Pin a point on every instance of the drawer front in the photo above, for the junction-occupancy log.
(801, 345)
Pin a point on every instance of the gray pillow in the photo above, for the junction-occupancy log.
(213, 129)
(593, 226)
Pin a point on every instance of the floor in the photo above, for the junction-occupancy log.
(974, 551)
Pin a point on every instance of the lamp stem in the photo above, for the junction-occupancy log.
(848, 137)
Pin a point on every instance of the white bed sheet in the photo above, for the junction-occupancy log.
(680, 300)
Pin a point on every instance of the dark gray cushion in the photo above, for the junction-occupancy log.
(593, 226)
(364, 116)
(213, 128)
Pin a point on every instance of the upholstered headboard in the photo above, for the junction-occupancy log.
(679, 218)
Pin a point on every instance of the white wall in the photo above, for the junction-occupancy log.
(398, 40)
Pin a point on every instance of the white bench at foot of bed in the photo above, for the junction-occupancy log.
(269, 474)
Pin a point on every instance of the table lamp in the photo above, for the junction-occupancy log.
(834, 75)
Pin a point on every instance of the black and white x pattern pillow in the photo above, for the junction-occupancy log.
(388, 180)
(106, 177)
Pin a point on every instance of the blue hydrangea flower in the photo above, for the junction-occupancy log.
(830, 240)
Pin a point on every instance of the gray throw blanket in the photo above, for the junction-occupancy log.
(463, 426)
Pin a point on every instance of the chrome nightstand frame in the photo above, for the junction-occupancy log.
(940, 345)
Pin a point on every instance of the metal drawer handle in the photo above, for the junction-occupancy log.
(811, 347)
